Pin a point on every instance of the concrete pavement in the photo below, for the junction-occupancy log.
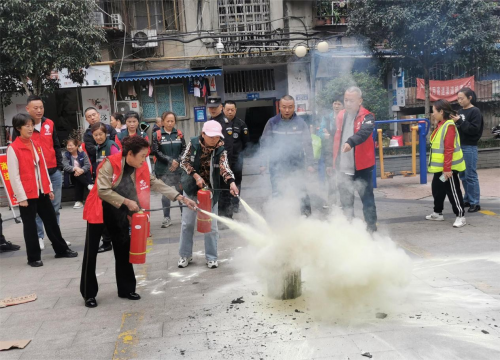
(451, 309)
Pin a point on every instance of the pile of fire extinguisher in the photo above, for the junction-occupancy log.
(140, 227)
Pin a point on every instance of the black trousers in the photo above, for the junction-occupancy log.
(2, 238)
(115, 220)
(225, 202)
(238, 177)
(80, 183)
(43, 207)
(450, 188)
(361, 182)
(106, 238)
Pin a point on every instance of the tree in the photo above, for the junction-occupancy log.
(418, 34)
(375, 97)
(39, 36)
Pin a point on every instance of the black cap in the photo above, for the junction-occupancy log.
(214, 101)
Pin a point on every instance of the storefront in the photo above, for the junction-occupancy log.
(65, 106)
(152, 92)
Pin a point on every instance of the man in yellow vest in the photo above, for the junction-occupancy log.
(446, 161)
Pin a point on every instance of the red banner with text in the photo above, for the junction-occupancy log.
(6, 179)
(446, 89)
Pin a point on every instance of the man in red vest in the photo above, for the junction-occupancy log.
(45, 135)
(354, 156)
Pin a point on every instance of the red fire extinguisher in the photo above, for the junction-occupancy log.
(204, 203)
(138, 238)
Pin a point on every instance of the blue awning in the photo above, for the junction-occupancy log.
(164, 74)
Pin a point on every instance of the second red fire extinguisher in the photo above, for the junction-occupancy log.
(204, 203)
(138, 238)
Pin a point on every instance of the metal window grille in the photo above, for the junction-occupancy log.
(159, 15)
(249, 81)
(246, 17)
(165, 98)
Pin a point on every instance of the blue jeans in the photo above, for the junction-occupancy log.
(469, 177)
(187, 233)
(170, 180)
(361, 182)
(56, 180)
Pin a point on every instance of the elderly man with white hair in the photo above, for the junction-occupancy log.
(354, 156)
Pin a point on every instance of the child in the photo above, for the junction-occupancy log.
(76, 167)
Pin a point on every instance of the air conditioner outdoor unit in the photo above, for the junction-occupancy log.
(116, 21)
(98, 18)
(142, 38)
(128, 105)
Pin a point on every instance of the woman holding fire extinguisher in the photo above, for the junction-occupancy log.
(204, 162)
(122, 187)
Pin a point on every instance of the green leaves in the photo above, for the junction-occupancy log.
(424, 32)
(375, 97)
(38, 36)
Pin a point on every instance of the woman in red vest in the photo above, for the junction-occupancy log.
(122, 187)
(33, 190)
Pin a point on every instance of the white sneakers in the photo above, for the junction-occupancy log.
(435, 217)
(166, 222)
(42, 244)
(78, 205)
(90, 186)
(184, 261)
(213, 264)
(459, 222)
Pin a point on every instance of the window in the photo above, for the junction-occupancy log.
(244, 16)
(165, 98)
(159, 15)
(246, 81)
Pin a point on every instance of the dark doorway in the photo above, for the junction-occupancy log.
(62, 107)
(256, 114)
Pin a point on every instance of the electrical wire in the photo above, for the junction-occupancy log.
(123, 50)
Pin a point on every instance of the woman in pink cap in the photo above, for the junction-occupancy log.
(203, 161)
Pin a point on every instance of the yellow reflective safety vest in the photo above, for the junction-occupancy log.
(436, 157)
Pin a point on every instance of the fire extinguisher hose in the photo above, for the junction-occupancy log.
(168, 207)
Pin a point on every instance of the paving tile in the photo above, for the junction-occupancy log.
(46, 315)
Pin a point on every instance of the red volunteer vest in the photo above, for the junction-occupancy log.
(44, 138)
(92, 211)
(27, 168)
(364, 154)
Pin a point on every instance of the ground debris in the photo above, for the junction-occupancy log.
(484, 332)
(381, 315)
(367, 354)
(238, 300)
(255, 293)
(298, 311)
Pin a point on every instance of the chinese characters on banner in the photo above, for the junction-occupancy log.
(6, 180)
(447, 89)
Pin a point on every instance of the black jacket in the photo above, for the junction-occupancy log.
(227, 131)
(470, 126)
(235, 136)
(90, 144)
(240, 138)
